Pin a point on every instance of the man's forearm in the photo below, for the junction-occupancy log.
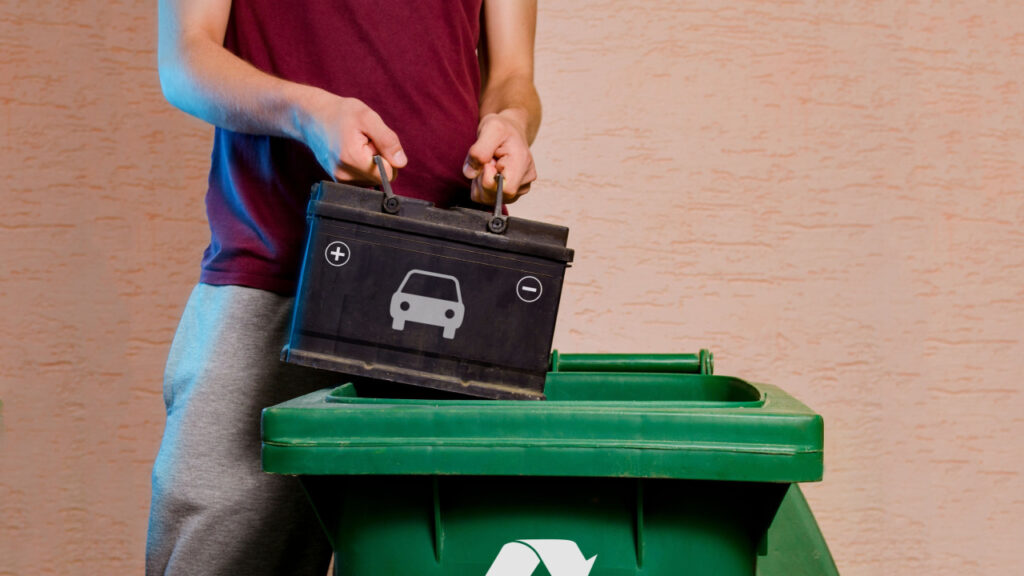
(207, 81)
(515, 97)
(201, 77)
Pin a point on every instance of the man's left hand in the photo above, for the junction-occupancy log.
(501, 146)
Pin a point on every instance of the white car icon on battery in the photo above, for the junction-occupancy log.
(428, 298)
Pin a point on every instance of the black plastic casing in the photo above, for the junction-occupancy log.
(496, 295)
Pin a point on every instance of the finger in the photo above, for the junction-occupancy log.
(512, 192)
(359, 166)
(384, 140)
(531, 174)
(390, 172)
(354, 176)
(482, 193)
(517, 174)
(489, 183)
(479, 194)
(528, 180)
(513, 161)
(523, 190)
(356, 164)
(511, 187)
(482, 151)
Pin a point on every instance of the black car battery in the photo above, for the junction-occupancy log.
(395, 289)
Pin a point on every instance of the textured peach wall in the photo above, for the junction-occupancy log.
(830, 195)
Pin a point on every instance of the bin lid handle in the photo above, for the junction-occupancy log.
(701, 363)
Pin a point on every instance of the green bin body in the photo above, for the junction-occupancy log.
(617, 473)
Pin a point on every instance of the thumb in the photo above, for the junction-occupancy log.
(385, 141)
(481, 153)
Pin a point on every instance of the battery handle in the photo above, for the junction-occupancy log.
(499, 222)
(390, 204)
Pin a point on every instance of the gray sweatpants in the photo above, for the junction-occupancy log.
(214, 511)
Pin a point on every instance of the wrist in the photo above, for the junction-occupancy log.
(306, 104)
(518, 117)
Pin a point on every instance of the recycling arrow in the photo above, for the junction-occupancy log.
(560, 557)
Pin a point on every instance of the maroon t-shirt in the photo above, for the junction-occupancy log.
(413, 62)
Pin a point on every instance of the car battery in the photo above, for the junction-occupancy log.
(395, 289)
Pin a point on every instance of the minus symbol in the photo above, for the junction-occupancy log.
(529, 289)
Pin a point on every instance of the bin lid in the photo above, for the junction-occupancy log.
(635, 424)
(460, 224)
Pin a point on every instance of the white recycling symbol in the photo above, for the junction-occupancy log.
(560, 557)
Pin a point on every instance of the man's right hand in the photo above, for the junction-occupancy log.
(201, 77)
(345, 134)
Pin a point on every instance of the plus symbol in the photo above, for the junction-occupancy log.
(337, 254)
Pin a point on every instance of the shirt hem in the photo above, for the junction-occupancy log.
(283, 286)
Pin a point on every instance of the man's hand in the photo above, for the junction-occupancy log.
(501, 146)
(345, 134)
(203, 78)
(509, 105)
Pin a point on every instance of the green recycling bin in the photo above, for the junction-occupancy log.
(634, 465)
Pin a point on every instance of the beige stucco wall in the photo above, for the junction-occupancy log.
(830, 195)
